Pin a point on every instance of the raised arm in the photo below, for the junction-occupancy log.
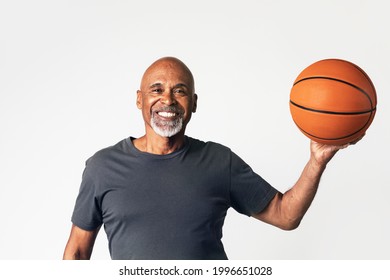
(287, 210)
(80, 244)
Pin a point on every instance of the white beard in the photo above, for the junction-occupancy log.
(167, 128)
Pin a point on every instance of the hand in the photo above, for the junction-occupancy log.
(322, 153)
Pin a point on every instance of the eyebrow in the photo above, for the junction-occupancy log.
(155, 85)
(181, 85)
(160, 84)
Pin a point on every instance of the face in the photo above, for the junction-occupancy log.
(166, 98)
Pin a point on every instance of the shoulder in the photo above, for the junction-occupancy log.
(219, 152)
(210, 152)
(208, 145)
(105, 155)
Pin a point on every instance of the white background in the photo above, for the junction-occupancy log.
(69, 71)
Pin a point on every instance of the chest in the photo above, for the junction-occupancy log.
(177, 192)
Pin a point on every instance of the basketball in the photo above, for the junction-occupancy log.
(333, 101)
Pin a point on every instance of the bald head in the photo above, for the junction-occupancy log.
(167, 97)
(167, 68)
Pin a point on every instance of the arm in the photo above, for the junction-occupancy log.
(287, 210)
(80, 244)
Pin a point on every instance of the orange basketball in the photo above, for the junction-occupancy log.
(333, 101)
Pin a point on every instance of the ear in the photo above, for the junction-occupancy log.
(195, 103)
(139, 99)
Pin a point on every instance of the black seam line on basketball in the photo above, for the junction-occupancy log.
(336, 80)
(324, 138)
(368, 79)
(338, 138)
(332, 112)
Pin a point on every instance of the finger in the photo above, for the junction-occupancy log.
(357, 140)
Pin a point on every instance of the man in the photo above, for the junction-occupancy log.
(165, 195)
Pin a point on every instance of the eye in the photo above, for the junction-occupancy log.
(157, 90)
(180, 91)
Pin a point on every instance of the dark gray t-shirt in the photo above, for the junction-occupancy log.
(167, 206)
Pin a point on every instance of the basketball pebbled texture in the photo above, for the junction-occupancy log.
(333, 101)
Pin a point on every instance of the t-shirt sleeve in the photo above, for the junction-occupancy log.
(249, 193)
(87, 213)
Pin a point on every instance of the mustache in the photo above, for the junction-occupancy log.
(171, 109)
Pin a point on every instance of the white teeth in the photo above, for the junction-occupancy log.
(167, 114)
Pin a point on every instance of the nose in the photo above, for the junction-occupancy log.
(168, 98)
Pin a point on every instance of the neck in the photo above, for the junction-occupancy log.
(156, 144)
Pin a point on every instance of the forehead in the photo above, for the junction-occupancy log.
(167, 72)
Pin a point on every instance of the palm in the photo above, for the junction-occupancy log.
(323, 153)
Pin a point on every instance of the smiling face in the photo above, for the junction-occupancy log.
(166, 98)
